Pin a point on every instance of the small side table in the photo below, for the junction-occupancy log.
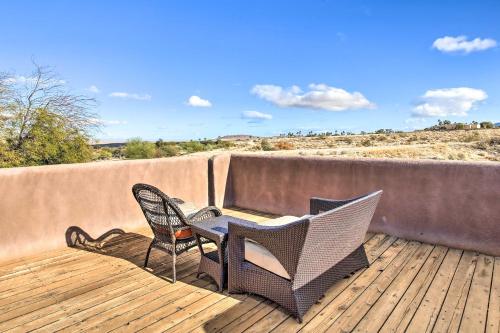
(214, 263)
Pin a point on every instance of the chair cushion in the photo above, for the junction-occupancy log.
(188, 208)
(279, 221)
(184, 233)
(260, 256)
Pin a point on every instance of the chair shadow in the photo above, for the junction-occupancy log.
(132, 247)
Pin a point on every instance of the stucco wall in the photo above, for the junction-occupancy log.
(451, 203)
(221, 181)
(38, 204)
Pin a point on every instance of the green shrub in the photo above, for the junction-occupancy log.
(51, 141)
(118, 152)
(103, 154)
(9, 158)
(486, 124)
(223, 144)
(136, 148)
(193, 146)
(168, 150)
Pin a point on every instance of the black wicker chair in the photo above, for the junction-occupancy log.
(171, 228)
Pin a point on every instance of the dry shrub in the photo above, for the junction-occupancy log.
(283, 145)
(346, 140)
(412, 138)
(471, 137)
(366, 143)
(265, 145)
(393, 153)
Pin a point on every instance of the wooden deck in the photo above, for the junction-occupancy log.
(410, 286)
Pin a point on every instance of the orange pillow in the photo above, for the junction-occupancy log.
(185, 233)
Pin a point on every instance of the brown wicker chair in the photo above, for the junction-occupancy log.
(315, 251)
(171, 228)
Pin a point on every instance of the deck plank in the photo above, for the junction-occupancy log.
(425, 317)
(493, 323)
(78, 310)
(409, 286)
(394, 274)
(412, 275)
(197, 320)
(408, 305)
(224, 319)
(476, 308)
(453, 307)
(388, 267)
(47, 315)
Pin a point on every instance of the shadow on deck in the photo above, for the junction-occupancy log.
(100, 285)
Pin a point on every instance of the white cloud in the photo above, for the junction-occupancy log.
(448, 102)
(320, 96)
(256, 115)
(449, 44)
(125, 95)
(197, 101)
(108, 122)
(415, 123)
(93, 89)
(20, 79)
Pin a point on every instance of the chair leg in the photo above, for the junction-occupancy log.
(147, 255)
(174, 259)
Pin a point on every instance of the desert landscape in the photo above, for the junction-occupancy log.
(467, 145)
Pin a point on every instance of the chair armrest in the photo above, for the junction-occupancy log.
(318, 205)
(204, 214)
(284, 242)
(178, 201)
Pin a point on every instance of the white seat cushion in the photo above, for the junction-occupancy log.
(279, 221)
(188, 208)
(260, 256)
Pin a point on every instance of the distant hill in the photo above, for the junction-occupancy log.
(497, 124)
(109, 145)
(237, 137)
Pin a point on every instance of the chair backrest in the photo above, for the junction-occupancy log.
(162, 213)
(333, 235)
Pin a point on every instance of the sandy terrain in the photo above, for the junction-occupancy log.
(469, 145)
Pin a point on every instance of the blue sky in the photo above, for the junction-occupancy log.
(263, 67)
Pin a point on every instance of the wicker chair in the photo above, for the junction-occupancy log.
(171, 228)
(315, 251)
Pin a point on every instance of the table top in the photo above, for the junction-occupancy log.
(217, 226)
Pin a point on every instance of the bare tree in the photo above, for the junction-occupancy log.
(5, 94)
(5, 89)
(43, 90)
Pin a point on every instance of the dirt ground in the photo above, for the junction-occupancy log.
(467, 145)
